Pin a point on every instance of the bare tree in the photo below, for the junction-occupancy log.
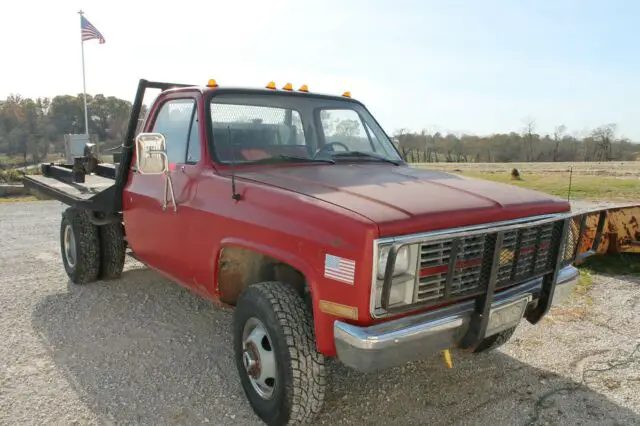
(529, 130)
(558, 134)
(603, 136)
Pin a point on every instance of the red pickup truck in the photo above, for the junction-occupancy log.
(298, 209)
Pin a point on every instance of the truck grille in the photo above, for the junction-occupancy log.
(526, 253)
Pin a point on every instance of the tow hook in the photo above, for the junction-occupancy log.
(448, 360)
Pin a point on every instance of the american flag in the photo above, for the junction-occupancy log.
(89, 31)
(339, 269)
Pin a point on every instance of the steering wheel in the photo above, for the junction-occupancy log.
(325, 148)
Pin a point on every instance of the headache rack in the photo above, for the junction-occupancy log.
(479, 261)
(100, 190)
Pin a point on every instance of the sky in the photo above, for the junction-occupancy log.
(457, 66)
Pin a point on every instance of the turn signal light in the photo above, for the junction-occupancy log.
(338, 310)
(271, 85)
(212, 83)
(303, 88)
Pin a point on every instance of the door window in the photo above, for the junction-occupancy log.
(193, 149)
(173, 122)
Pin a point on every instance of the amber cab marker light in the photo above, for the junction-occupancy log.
(212, 83)
(347, 94)
(288, 87)
(271, 85)
(303, 88)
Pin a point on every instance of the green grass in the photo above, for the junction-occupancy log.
(585, 283)
(18, 199)
(582, 187)
(15, 176)
(614, 264)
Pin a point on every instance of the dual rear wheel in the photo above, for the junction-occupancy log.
(90, 252)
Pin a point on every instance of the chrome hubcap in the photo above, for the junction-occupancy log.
(69, 246)
(258, 358)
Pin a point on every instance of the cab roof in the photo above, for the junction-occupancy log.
(259, 91)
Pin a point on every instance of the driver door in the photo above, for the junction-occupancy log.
(160, 236)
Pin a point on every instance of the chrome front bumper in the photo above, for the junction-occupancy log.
(413, 337)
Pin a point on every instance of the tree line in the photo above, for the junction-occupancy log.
(34, 128)
(31, 129)
(601, 144)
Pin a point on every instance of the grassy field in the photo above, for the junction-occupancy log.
(613, 264)
(15, 199)
(627, 169)
(590, 181)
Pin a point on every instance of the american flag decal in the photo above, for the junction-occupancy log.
(339, 269)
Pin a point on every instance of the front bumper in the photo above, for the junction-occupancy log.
(413, 337)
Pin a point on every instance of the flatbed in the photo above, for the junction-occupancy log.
(76, 191)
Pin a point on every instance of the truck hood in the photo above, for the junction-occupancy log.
(403, 199)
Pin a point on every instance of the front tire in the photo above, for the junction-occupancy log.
(80, 246)
(282, 373)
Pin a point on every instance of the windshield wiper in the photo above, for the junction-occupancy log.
(347, 154)
(293, 158)
(306, 159)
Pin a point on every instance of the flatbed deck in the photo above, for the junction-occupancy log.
(57, 181)
(81, 191)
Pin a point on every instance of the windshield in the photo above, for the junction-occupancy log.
(248, 128)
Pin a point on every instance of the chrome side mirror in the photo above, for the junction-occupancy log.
(151, 154)
(151, 159)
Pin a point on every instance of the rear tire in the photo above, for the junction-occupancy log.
(495, 341)
(112, 251)
(282, 373)
(79, 246)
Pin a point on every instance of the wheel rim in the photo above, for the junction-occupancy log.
(69, 246)
(258, 358)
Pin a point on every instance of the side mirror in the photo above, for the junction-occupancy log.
(151, 154)
(151, 159)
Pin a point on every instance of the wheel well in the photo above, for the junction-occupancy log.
(239, 268)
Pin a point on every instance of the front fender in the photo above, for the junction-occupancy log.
(323, 323)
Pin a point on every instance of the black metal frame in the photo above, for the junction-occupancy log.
(451, 269)
(480, 316)
(65, 173)
(545, 298)
(388, 278)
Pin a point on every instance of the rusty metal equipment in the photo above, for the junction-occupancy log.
(604, 230)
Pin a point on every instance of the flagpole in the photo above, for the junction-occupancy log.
(84, 84)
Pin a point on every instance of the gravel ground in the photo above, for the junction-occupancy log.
(142, 350)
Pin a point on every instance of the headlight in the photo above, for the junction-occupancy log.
(402, 261)
(403, 277)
